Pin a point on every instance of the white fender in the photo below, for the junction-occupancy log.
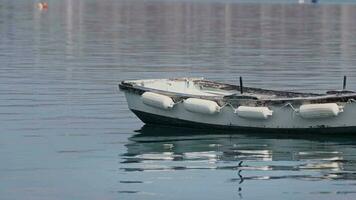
(324, 110)
(253, 112)
(201, 106)
(157, 100)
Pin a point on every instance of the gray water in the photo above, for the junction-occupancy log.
(66, 131)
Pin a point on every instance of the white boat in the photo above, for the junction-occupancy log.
(196, 102)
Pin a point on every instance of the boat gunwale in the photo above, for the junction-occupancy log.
(284, 96)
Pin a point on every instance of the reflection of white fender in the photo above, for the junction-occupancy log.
(324, 110)
(253, 112)
(201, 106)
(157, 100)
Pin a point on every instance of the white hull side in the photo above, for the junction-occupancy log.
(283, 117)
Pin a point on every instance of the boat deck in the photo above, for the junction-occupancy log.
(201, 88)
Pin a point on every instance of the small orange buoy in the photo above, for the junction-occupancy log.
(45, 5)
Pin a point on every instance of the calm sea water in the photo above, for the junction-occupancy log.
(66, 131)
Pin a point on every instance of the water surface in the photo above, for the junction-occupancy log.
(66, 131)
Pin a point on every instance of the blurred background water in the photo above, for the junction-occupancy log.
(66, 131)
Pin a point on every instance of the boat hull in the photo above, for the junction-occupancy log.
(149, 118)
(284, 119)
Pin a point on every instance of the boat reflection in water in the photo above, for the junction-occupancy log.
(244, 158)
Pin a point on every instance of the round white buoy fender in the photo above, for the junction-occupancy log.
(324, 110)
(201, 106)
(157, 100)
(253, 112)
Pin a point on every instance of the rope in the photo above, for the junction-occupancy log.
(351, 101)
(178, 102)
(228, 104)
(291, 106)
(296, 110)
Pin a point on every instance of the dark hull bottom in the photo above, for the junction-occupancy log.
(150, 118)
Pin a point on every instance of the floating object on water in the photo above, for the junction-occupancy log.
(42, 5)
(201, 106)
(253, 112)
(220, 105)
(325, 110)
(157, 100)
(301, 1)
